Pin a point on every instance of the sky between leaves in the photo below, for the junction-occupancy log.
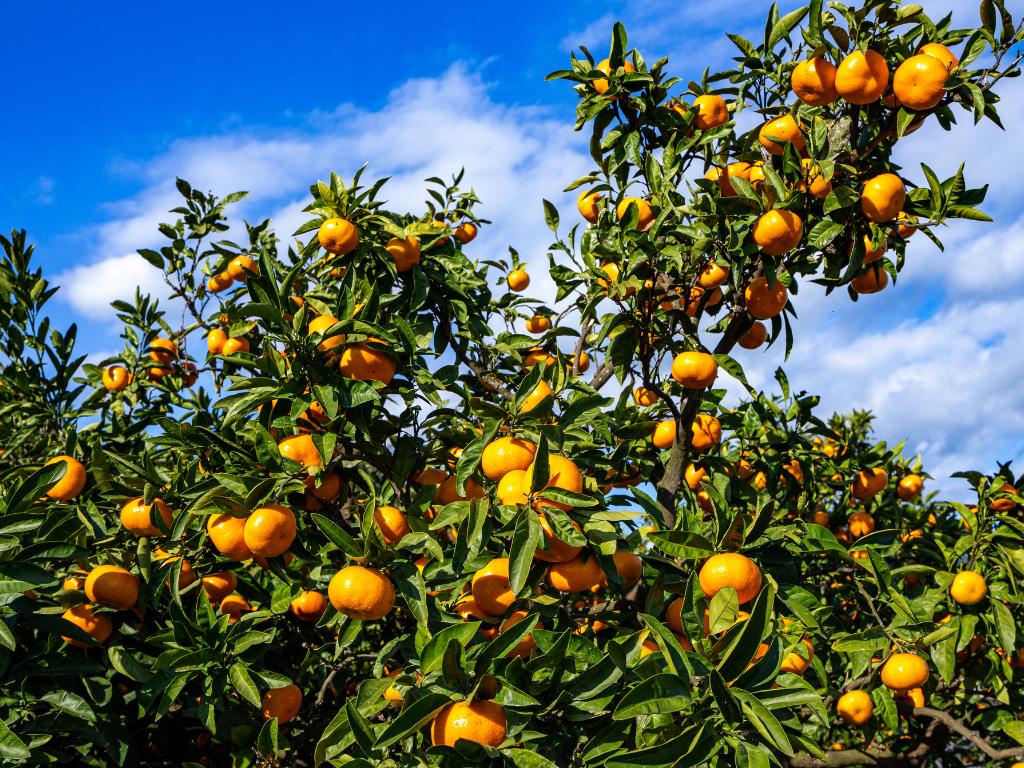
(267, 100)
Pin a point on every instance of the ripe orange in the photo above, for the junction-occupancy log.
(233, 606)
(575, 575)
(328, 489)
(240, 267)
(778, 232)
(601, 84)
(73, 481)
(338, 236)
(883, 197)
(628, 566)
(162, 351)
(869, 482)
(480, 721)
(644, 397)
(903, 671)
(510, 488)
(942, 53)
(910, 487)
(220, 282)
(217, 586)
(713, 111)
(584, 362)
(763, 302)
(856, 707)
(918, 82)
(723, 178)
(664, 434)
(309, 606)
(712, 275)
(862, 77)
(361, 593)
(785, 129)
(405, 252)
(75, 581)
(228, 535)
(393, 524)
(562, 473)
(466, 232)
(695, 370)
(611, 269)
(135, 517)
(282, 703)
(270, 530)
(796, 663)
(537, 355)
(233, 345)
(518, 280)
(320, 325)
(558, 550)
(814, 82)
(538, 324)
(97, 625)
(693, 475)
(432, 477)
(707, 432)
(913, 698)
(301, 449)
(215, 340)
(362, 363)
(449, 493)
(860, 524)
(756, 335)
(112, 587)
(468, 607)
(491, 588)
(871, 256)
(646, 215)
(187, 575)
(999, 485)
(527, 645)
(968, 588)
(813, 180)
(505, 454)
(821, 518)
(587, 203)
(116, 378)
(872, 281)
(730, 569)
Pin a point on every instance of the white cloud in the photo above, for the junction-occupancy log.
(91, 288)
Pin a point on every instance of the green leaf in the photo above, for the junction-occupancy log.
(689, 546)
(656, 695)
(752, 633)
(784, 26)
(524, 544)
(11, 746)
(125, 663)
(246, 688)
(433, 651)
(413, 717)
(541, 467)
(505, 642)
(1005, 626)
(266, 742)
(337, 536)
(551, 216)
(723, 610)
(71, 703)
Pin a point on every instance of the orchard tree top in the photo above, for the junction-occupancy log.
(399, 532)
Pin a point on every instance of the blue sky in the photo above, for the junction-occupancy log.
(108, 103)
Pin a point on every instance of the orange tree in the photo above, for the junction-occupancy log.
(391, 533)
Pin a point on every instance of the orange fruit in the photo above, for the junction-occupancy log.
(309, 606)
(587, 205)
(778, 232)
(220, 282)
(707, 432)
(695, 370)
(534, 399)
(813, 180)
(907, 224)
(821, 518)
(505, 454)
(763, 302)
(644, 397)
(491, 587)
(468, 607)
(393, 524)
(510, 488)
(712, 275)
(75, 581)
(518, 280)
(872, 281)
(338, 236)
(558, 550)
(217, 586)
(693, 475)
(269, 530)
(871, 256)
(712, 111)
(537, 355)
(646, 215)
(362, 363)
(361, 593)
(814, 82)
(730, 569)
(918, 82)
(562, 473)
(628, 566)
(862, 77)
(116, 378)
(135, 517)
(480, 721)
(968, 588)
(301, 449)
(601, 84)
(240, 267)
(797, 664)
(233, 345)
(883, 197)
(328, 489)
(611, 269)
(449, 493)
(756, 336)
(860, 524)
(999, 485)
(584, 362)
(228, 535)
(724, 179)
(465, 232)
(664, 434)
(73, 481)
(527, 645)
(432, 477)
(162, 351)
(233, 606)
(538, 324)
(405, 252)
(942, 53)
(910, 487)
(785, 129)
(215, 341)
(903, 671)
(112, 587)
(320, 325)
(855, 707)
(187, 575)
(282, 703)
(96, 625)
(914, 697)
(575, 575)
